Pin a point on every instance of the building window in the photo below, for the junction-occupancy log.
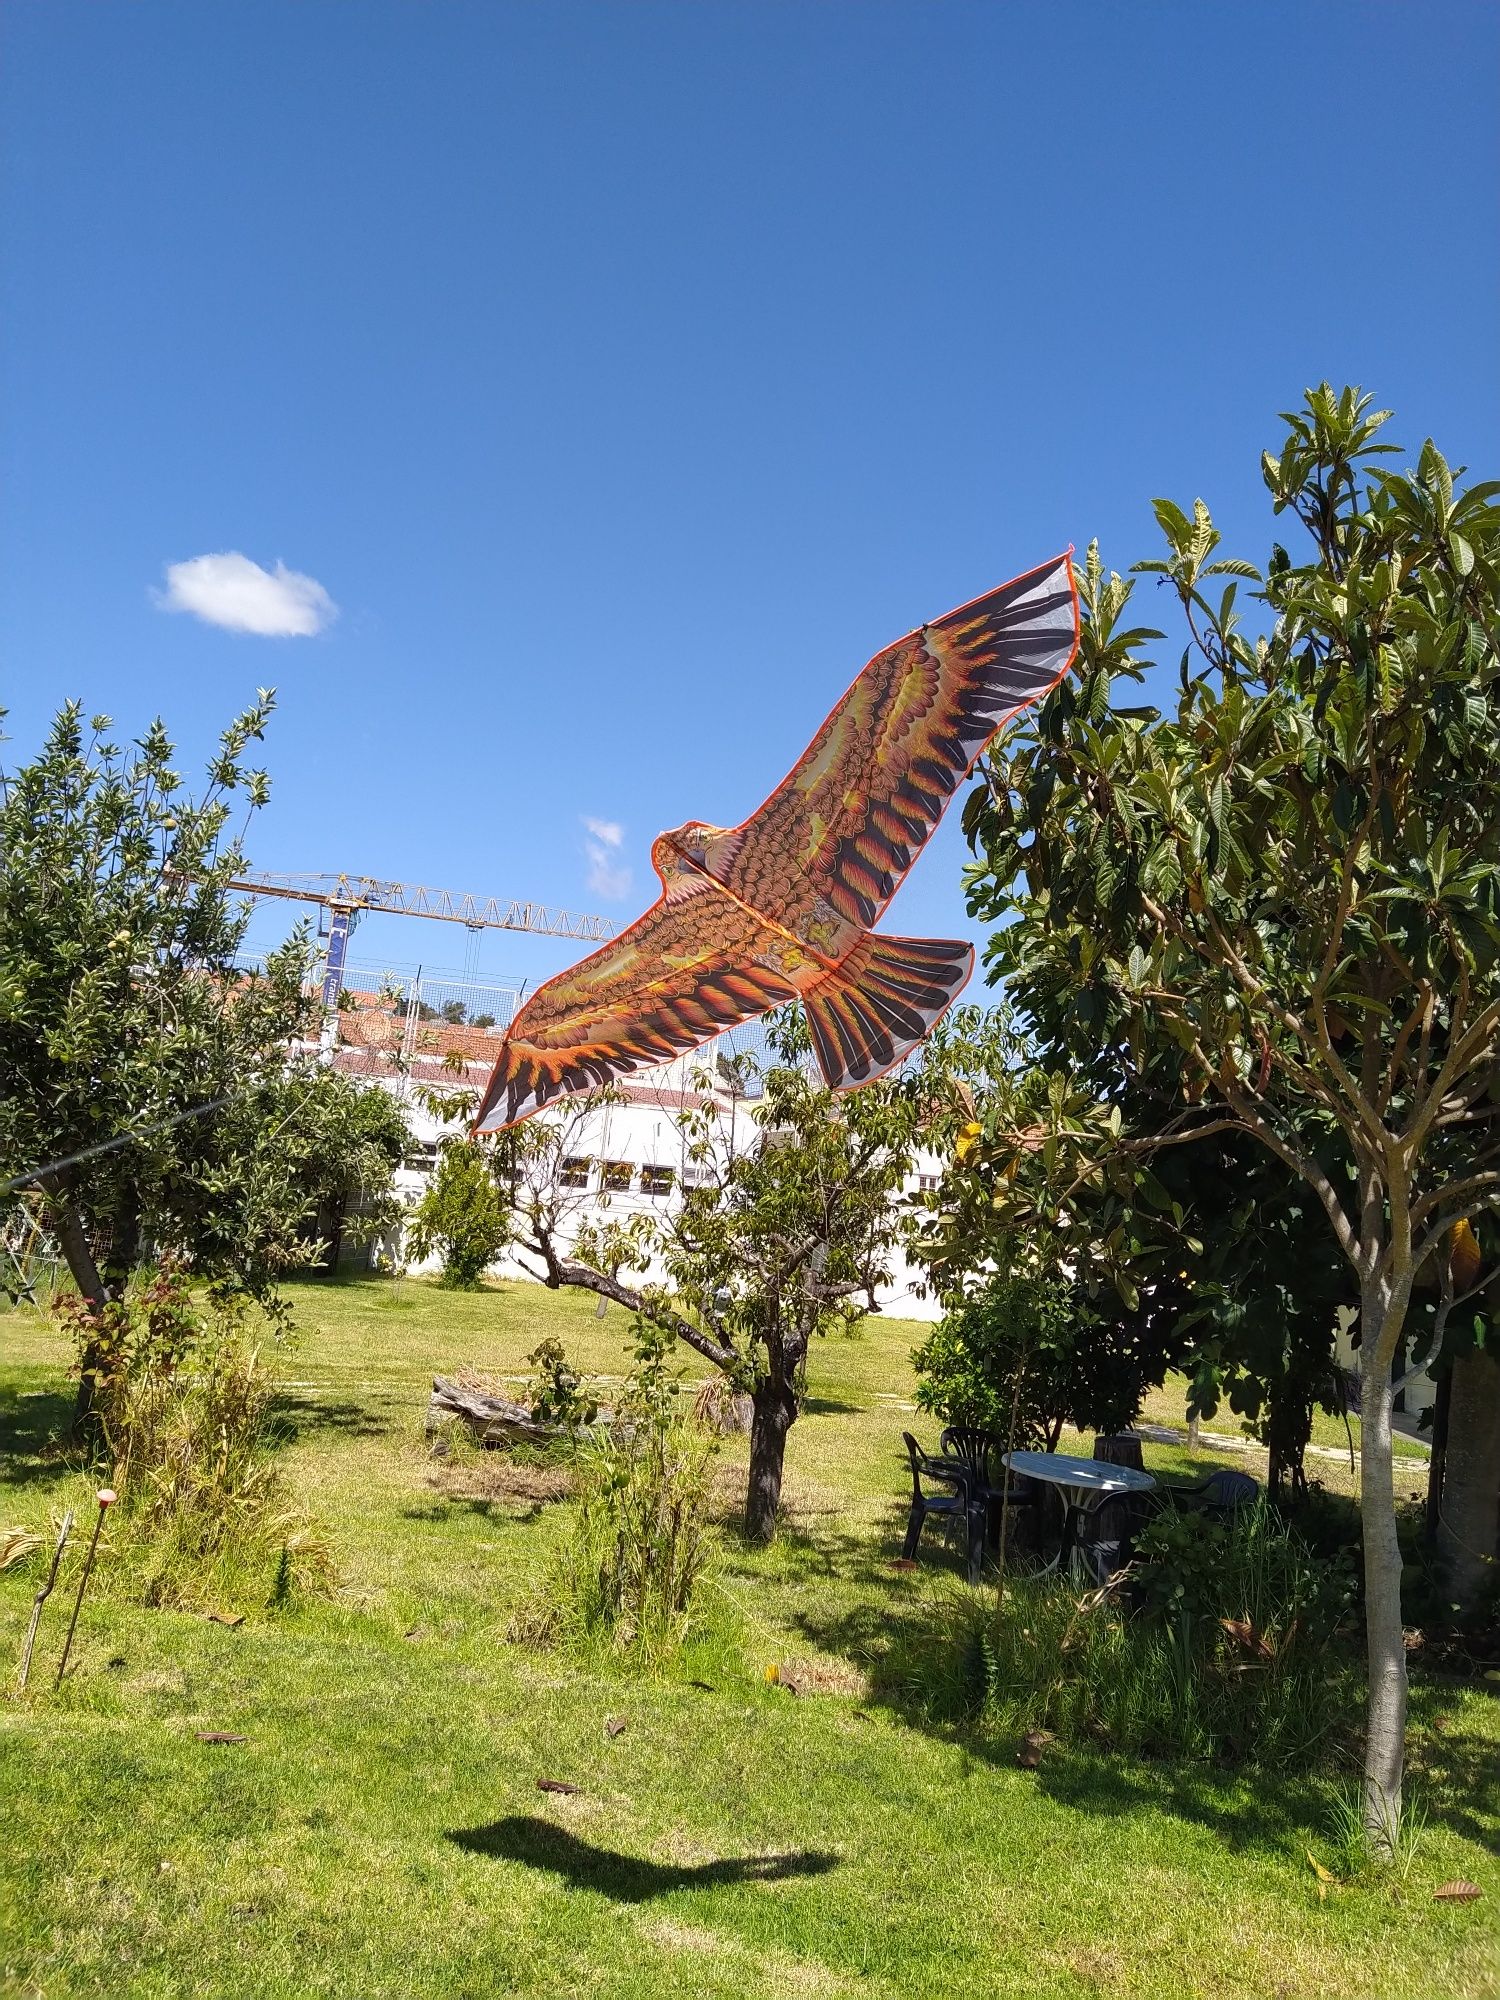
(926, 1183)
(656, 1180)
(574, 1171)
(617, 1176)
(421, 1158)
(697, 1177)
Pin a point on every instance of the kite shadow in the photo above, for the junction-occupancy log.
(537, 1843)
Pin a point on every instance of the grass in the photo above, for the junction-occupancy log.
(380, 1832)
(1168, 1405)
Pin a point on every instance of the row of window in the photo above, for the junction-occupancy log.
(615, 1176)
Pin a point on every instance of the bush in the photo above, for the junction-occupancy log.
(461, 1217)
(641, 1540)
(1028, 1354)
(1233, 1651)
(557, 1392)
(184, 1409)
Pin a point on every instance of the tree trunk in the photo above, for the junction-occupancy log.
(775, 1411)
(1385, 1638)
(1441, 1400)
(1468, 1520)
(74, 1243)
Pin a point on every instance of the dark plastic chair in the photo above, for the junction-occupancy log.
(961, 1503)
(1226, 1491)
(998, 1492)
(1103, 1536)
(1223, 1491)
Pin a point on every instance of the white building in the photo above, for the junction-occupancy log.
(616, 1162)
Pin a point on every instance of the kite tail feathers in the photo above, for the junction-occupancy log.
(873, 1010)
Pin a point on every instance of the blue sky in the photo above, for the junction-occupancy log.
(626, 375)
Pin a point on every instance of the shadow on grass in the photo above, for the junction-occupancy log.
(33, 1436)
(1453, 1776)
(294, 1418)
(1262, 1811)
(519, 1510)
(829, 1406)
(537, 1843)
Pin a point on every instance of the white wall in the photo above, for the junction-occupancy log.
(642, 1133)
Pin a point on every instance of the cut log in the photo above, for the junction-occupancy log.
(493, 1420)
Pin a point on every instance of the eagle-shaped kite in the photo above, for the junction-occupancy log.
(781, 907)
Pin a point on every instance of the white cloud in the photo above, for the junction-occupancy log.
(608, 876)
(230, 590)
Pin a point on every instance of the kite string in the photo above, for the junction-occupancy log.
(37, 1174)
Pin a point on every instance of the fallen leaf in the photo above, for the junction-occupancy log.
(1457, 1892)
(225, 1617)
(706, 1686)
(1244, 1634)
(773, 1675)
(904, 1563)
(615, 1726)
(863, 1715)
(1325, 1876)
(558, 1785)
(219, 1736)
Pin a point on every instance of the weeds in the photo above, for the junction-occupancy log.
(640, 1540)
(184, 1406)
(1229, 1654)
(1358, 1852)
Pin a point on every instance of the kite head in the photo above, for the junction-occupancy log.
(680, 854)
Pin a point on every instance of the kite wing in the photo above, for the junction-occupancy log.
(696, 963)
(842, 829)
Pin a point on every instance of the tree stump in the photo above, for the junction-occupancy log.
(1122, 1450)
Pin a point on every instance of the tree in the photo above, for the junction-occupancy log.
(774, 1244)
(1257, 1280)
(127, 1030)
(1026, 1345)
(1293, 882)
(462, 1216)
(1023, 1355)
(301, 1157)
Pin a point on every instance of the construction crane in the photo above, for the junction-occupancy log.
(347, 898)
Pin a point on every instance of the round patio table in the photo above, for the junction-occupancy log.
(1084, 1483)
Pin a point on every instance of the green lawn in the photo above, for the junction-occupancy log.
(381, 1831)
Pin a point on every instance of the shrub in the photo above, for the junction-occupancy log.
(641, 1540)
(184, 1408)
(1028, 1354)
(557, 1394)
(461, 1217)
(1232, 1652)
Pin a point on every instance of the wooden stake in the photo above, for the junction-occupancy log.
(41, 1598)
(106, 1500)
